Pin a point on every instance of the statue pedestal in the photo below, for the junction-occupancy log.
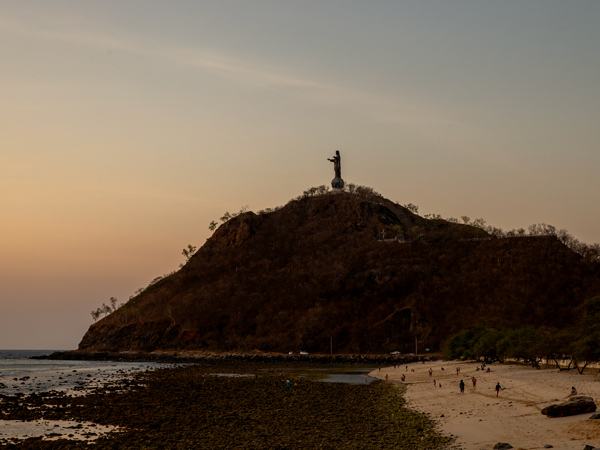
(337, 183)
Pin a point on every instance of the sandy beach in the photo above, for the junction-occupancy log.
(478, 419)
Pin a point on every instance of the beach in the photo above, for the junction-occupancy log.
(251, 405)
(479, 420)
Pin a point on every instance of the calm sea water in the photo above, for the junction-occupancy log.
(22, 354)
(21, 374)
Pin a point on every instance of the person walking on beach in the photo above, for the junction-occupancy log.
(430, 371)
(462, 387)
(474, 382)
(498, 387)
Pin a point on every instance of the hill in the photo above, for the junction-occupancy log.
(319, 272)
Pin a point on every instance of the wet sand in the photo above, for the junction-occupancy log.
(14, 430)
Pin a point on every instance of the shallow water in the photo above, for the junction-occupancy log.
(19, 374)
(354, 377)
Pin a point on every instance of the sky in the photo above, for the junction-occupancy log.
(127, 126)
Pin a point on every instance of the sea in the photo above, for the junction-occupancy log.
(19, 374)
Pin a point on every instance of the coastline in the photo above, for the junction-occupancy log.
(75, 377)
(35, 381)
(205, 405)
(190, 356)
(479, 420)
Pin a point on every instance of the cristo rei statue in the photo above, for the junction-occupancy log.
(337, 182)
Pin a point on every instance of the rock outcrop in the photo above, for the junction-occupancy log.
(579, 404)
(502, 446)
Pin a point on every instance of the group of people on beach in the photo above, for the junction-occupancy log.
(461, 384)
(462, 380)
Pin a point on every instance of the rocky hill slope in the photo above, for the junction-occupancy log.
(318, 273)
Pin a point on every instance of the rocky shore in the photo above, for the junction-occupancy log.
(234, 406)
(195, 357)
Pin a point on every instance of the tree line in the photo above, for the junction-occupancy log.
(590, 252)
(106, 309)
(578, 344)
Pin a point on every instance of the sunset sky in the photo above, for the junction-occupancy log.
(127, 126)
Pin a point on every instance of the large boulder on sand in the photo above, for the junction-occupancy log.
(579, 404)
(502, 446)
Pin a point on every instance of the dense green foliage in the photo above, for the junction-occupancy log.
(580, 342)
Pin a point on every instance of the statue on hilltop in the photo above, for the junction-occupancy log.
(337, 182)
(337, 164)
